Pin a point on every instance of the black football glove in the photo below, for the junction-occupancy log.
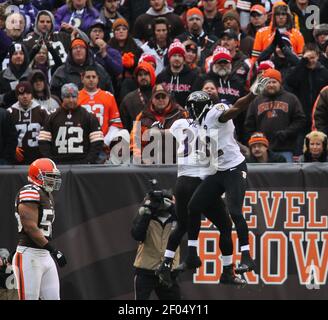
(59, 258)
(57, 255)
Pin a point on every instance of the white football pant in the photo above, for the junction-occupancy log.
(36, 274)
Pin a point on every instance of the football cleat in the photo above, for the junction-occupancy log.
(228, 277)
(247, 264)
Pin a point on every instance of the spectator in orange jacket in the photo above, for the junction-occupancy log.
(281, 24)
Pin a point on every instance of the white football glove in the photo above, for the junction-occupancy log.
(259, 85)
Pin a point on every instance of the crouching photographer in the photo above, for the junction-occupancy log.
(152, 227)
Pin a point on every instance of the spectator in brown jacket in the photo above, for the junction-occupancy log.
(278, 114)
(159, 116)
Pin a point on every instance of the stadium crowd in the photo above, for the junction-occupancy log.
(78, 76)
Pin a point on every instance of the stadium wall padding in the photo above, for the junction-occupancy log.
(286, 208)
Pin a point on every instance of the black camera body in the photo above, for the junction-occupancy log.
(156, 197)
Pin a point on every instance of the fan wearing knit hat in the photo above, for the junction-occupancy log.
(275, 84)
(264, 65)
(221, 62)
(177, 77)
(176, 55)
(69, 95)
(195, 20)
(196, 33)
(148, 58)
(176, 48)
(259, 150)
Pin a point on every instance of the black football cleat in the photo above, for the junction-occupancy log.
(228, 277)
(247, 264)
(191, 262)
(164, 274)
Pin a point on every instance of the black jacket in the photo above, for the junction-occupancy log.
(300, 19)
(8, 137)
(71, 72)
(272, 158)
(306, 85)
(179, 86)
(214, 26)
(203, 41)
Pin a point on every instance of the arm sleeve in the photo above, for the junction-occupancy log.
(295, 76)
(45, 139)
(250, 121)
(96, 138)
(140, 226)
(56, 84)
(113, 61)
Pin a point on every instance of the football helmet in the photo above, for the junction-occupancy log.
(44, 173)
(198, 104)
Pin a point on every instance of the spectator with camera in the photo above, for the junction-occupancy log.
(152, 227)
(305, 81)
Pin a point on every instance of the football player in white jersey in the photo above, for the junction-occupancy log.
(34, 266)
(193, 163)
(228, 172)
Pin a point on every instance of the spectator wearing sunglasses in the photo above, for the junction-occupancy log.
(258, 19)
(152, 123)
(191, 56)
(278, 33)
